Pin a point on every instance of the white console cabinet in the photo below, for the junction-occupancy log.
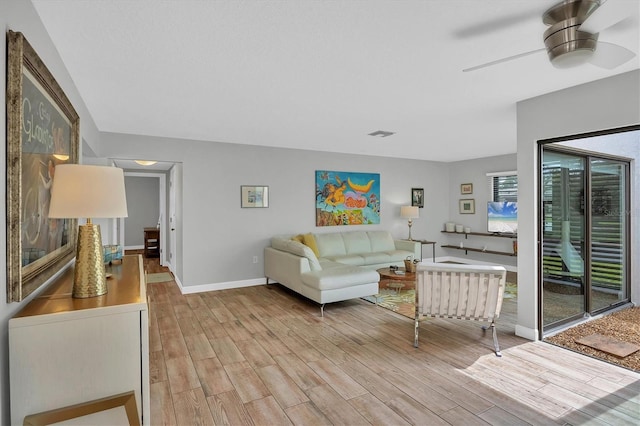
(65, 351)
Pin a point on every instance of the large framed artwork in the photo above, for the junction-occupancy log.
(42, 132)
(347, 198)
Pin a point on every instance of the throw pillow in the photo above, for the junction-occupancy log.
(310, 241)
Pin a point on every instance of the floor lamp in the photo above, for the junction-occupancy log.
(81, 191)
(409, 212)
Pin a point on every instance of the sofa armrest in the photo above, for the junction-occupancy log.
(284, 267)
(413, 246)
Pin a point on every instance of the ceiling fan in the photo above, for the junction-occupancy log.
(572, 36)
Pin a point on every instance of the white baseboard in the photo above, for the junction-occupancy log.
(526, 332)
(134, 247)
(220, 286)
(177, 280)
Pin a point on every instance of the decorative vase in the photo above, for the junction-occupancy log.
(409, 266)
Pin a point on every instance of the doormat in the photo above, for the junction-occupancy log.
(609, 345)
(159, 278)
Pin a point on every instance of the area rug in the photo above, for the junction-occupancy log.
(159, 278)
(511, 291)
(403, 301)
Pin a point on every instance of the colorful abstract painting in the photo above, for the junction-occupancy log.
(347, 198)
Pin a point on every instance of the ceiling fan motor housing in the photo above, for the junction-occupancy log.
(566, 45)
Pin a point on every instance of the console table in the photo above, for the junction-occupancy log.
(64, 351)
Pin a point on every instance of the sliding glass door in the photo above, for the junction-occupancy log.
(608, 230)
(563, 232)
(584, 235)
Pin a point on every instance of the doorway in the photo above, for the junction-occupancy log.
(154, 218)
(584, 234)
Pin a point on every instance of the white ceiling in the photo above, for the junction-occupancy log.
(317, 75)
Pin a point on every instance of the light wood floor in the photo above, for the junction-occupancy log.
(264, 356)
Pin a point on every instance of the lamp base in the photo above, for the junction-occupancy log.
(90, 278)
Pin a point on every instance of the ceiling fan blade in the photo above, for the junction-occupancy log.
(499, 61)
(499, 23)
(610, 56)
(608, 14)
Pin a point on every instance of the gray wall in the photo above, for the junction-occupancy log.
(220, 239)
(604, 104)
(143, 204)
(475, 172)
(19, 15)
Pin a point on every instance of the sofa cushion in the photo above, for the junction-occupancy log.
(339, 277)
(310, 241)
(376, 258)
(381, 241)
(356, 242)
(349, 259)
(330, 244)
(297, 248)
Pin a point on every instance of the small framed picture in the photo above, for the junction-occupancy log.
(466, 188)
(254, 196)
(467, 206)
(417, 197)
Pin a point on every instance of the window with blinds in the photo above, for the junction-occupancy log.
(504, 187)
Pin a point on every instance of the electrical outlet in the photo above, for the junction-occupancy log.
(255, 259)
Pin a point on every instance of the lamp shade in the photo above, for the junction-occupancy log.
(409, 212)
(83, 191)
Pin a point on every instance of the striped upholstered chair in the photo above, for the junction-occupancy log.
(470, 292)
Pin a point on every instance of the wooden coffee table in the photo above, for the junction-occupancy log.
(397, 281)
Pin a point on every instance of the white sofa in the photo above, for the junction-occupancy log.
(344, 267)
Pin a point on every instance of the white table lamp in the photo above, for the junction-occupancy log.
(410, 212)
(82, 191)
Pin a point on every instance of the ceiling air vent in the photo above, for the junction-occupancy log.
(382, 133)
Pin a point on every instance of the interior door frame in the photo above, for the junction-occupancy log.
(171, 209)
